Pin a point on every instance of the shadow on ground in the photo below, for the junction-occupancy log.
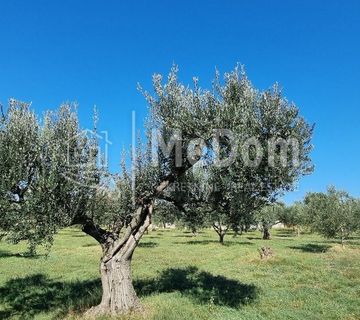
(149, 244)
(90, 245)
(226, 243)
(8, 254)
(26, 298)
(284, 233)
(350, 241)
(310, 247)
(253, 238)
(185, 236)
(25, 255)
(191, 233)
(202, 286)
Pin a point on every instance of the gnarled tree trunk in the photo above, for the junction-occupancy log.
(119, 296)
(118, 293)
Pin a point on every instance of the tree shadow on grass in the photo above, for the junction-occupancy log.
(205, 242)
(190, 232)
(25, 255)
(90, 245)
(313, 248)
(284, 233)
(185, 236)
(27, 297)
(149, 244)
(201, 286)
(348, 241)
(8, 254)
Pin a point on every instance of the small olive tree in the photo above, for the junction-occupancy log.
(334, 214)
(294, 216)
(228, 207)
(165, 213)
(268, 216)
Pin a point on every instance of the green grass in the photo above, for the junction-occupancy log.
(179, 276)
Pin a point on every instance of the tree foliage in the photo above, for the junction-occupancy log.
(334, 214)
(45, 167)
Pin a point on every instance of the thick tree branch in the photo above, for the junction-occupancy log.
(135, 224)
(95, 231)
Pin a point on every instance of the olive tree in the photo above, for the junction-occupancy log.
(334, 214)
(56, 181)
(268, 216)
(261, 150)
(228, 207)
(41, 191)
(294, 216)
(188, 122)
(165, 213)
(51, 178)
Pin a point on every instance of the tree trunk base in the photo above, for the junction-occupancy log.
(119, 296)
(97, 311)
(101, 310)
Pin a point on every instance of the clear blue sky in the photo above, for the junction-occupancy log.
(94, 52)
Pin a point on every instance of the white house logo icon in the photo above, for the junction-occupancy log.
(87, 157)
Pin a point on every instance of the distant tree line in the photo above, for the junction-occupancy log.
(332, 214)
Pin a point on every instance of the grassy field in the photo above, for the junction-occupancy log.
(179, 276)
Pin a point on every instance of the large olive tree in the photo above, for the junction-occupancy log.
(189, 123)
